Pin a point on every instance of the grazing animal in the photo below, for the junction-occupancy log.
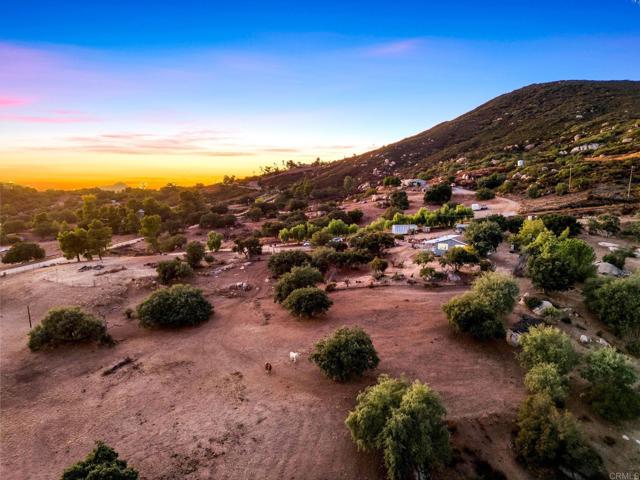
(293, 356)
(267, 367)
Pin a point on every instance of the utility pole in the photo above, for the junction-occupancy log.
(629, 187)
(29, 315)
(570, 168)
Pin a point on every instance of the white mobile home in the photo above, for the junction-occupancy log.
(440, 245)
(404, 229)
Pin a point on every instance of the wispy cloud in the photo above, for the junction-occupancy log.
(46, 119)
(393, 48)
(12, 101)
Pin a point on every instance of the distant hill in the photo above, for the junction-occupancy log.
(589, 130)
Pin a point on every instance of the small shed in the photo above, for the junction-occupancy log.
(520, 163)
(404, 229)
(440, 245)
(521, 327)
(461, 227)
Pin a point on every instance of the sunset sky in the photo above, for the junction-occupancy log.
(185, 92)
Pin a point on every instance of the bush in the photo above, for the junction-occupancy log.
(405, 422)
(101, 464)
(175, 269)
(616, 302)
(424, 257)
(457, 257)
(378, 265)
(248, 246)
(468, 313)
(532, 302)
(618, 257)
(549, 438)
(214, 241)
(533, 191)
(170, 243)
(373, 242)
(346, 354)
(484, 237)
(307, 302)
(23, 252)
(298, 277)
(391, 181)
(498, 290)
(282, 262)
(543, 344)
(611, 381)
(558, 223)
(545, 378)
(176, 306)
(399, 200)
(67, 325)
(195, 253)
(485, 194)
(440, 193)
(561, 189)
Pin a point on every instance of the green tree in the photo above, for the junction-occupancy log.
(73, 243)
(101, 464)
(545, 378)
(348, 184)
(497, 290)
(298, 277)
(391, 181)
(307, 302)
(469, 314)
(378, 265)
(616, 302)
(194, 253)
(485, 194)
(424, 257)
(346, 354)
(440, 193)
(611, 380)
(282, 262)
(98, 238)
(399, 200)
(484, 237)
(214, 241)
(529, 231)
(558, 223)
(248, 247)
(457, 257)
(67, 325)
(170, 270)
(176, 306)
(544, 344)
(150, 226)
(23, 252)
(43, 226)
(89, 208)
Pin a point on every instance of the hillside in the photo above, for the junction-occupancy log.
(589, 127)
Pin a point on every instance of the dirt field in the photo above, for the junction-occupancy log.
(196, 402)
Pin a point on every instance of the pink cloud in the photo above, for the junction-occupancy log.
(12, 101)
(44, 119)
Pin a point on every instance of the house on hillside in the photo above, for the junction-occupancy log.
(404, 229)
(521, 327)
(440, 245)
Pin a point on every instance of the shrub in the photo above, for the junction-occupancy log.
(378, 265)
(532, 302)
(175, 306)
(611, 381)
(498, 290)
(485, 194)
(248, 246)
(545, 378)
(424, 257)
(298, 277)
(405, 422)
(67, 325)
(533, 191)
(175, 269)
(561, 189)
(307, 302)
(484, 237)
(609, 224)
(440, 193)
(618, 257)
(214, 241)
(195, 253)
(390, 181)
(399, 200)
(558, 223)
(468, 313)
(549, 438)
(282, 262)
(543, 344)
(373, 242)
(170, 243)
(101, 464)
(346, 354)
(23, 252)
(457, 257)
(616, 302)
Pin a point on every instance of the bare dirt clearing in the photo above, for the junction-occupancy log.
(196, 403)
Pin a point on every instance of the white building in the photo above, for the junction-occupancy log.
(440, 245)
(414, 182)
(404, 229)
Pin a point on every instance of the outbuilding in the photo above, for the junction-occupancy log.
(440, 245)
(404, 229)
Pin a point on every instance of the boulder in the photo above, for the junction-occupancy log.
(539, 310)
(605, 268)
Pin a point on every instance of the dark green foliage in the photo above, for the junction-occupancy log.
(373, 242)
(492, 181)
(611, 379)
(296, 204)
(101, 464)
(543, 344)
(558, 223)
(346, 354)
(175, 269)
(561, 188)
(282, 262)
(616, 302)
(73, 243)
(485, 194)
(378, 265)
(176, 306)
(605, 223)
(194, 253)
(248, 247)
(390, 181)
(533, 191)
(545, 378)
(484, 237)
(170, 243)
(399, 200)
(469, 314)
(405, 422)
(67, 325)
(307, 302)
(457, 257)
(440, 193)
(497, 290)
(549, 439)
(23, 252)
(216, 220)
(618, 257)
(532, 302)
(514, 224)
(298, 277)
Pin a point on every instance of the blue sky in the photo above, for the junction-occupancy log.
(189, 91)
